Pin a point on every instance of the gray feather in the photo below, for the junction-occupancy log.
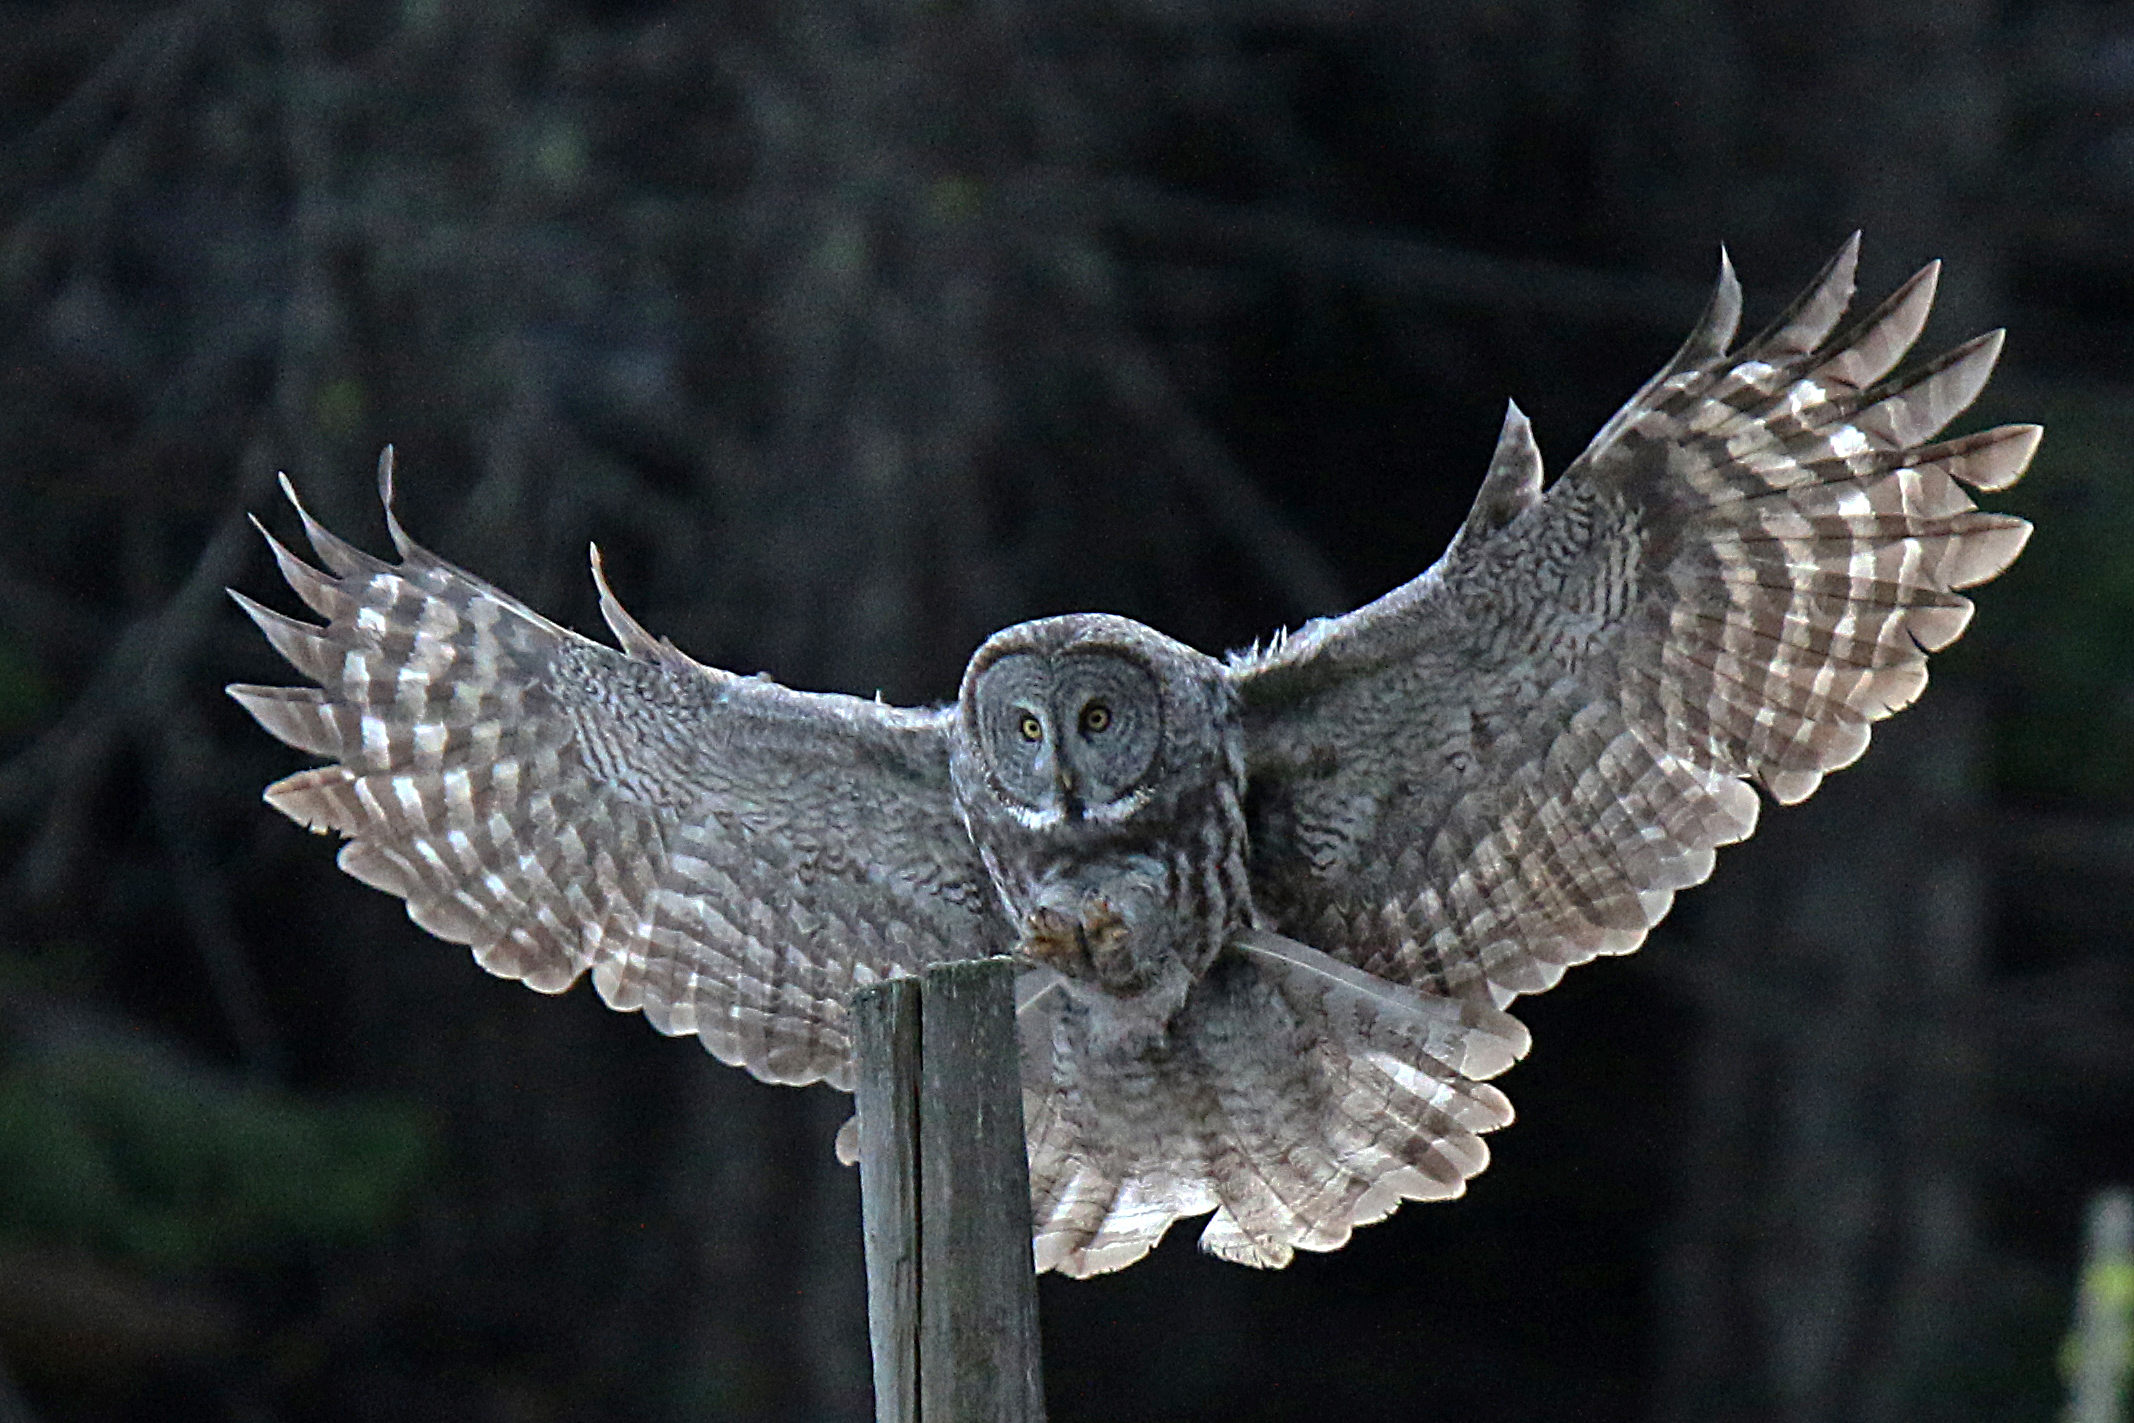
(1510, 765)
(1512, 484)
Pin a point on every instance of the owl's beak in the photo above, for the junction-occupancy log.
(1070, 798)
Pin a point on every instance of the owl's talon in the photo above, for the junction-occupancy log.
(1104, 932)
(1096, 946)
(1054, 940)
(1104, 925)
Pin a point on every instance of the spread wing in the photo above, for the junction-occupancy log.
(1510, 764)
(729, 855)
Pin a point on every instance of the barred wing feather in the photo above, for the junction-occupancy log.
(1510, 764)
(726, 854)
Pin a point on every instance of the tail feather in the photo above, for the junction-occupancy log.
(1294, 1097)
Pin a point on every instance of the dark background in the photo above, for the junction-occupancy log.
(854, 330)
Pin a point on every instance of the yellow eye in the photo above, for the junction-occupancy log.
(1031, 728)
(1095, 717)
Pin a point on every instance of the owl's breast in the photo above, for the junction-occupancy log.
(1129, 905)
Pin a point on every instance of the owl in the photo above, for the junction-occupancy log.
(1270, 909)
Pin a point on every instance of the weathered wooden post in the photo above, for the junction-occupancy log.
(885, 1041)
(945, 1191)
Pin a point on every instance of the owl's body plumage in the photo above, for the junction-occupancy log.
(1273, 909)
(1119, 849)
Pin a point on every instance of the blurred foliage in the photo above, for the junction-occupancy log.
(166, 1169)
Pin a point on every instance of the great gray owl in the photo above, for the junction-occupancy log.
(1273, 908)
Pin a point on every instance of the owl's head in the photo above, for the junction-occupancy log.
(1090, 719)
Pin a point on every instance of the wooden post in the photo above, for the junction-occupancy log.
(885, 1040)
(978, 1356)
(945, 1190)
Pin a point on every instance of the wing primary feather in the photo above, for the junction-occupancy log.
(1990, 460)
(321, 594)
(1802, 327)
(1708, 340)
(1715, 328)
(1868, 349)
(400, 538)
(412, 554)
(337, 554)
(304, 645)
(297, 716)
(1915, 405)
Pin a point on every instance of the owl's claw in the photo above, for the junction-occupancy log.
(1055, 940)
(1095, 946)
(1104, 936)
